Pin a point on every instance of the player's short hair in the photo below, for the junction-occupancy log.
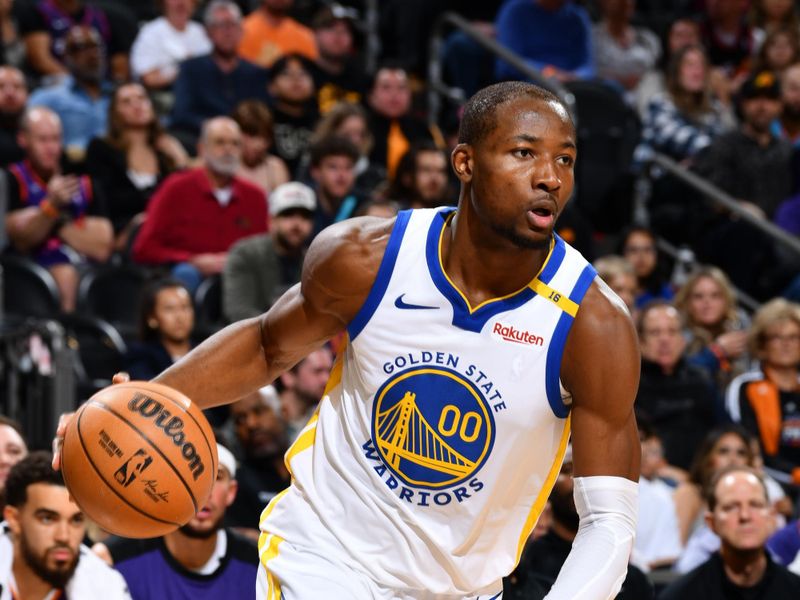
(480, 111)
(35, 468)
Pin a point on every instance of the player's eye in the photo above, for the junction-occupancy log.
(567, 161)
(522, 153)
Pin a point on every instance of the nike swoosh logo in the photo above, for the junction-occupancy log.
(399, 303)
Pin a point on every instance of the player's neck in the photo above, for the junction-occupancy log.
(28, 584)
(484, 266)
(190, 552)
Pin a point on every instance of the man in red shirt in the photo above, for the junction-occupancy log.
(197, 215)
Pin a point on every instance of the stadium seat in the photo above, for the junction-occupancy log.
(112, 293)
(99, 351)
(28, 289)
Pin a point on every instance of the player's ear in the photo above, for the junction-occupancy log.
(11, 517)
(461, 159)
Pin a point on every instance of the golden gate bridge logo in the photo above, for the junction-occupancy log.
(432, 427)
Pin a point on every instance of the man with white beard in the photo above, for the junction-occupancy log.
(198, 214)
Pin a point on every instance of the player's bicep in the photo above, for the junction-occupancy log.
(601, 370)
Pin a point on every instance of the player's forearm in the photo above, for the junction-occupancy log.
(598, 562)
(225, 367)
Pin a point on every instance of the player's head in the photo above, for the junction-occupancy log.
(208, 520)
(47, 527)
(739, 511)
(515, 160)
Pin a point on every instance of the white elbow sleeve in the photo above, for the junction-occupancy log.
(598, 562)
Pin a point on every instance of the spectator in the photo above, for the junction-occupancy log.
(351, 121)
(639, 249)
(166, 321)
(12, 450)
(80, 100)
(767, 401)
(752, 165)
(41, 555)
(301, 388)
(269, 33)
(261, 268)
(543, 558)
(676, 397)
(421, 179)
(393, 127)
(337, 75)
(768, 15)
(165, 42)
(212, 85)
(682, 32)
(12, 50)
(197, 215)
(781, 48)
(201, 560)
(333, 162)
(13, 97)
(787, 126)
(44, 26)
(131, 160)
(259, 167)
(740, 514)
(623, 53)
(657, 544)
(54, 218)
(262, 474)
(721, 447)
(553, 36)
(293, 107)
(619, 275)
(728, 38)
(715, 328)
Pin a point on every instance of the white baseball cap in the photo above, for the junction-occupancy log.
(291, 195)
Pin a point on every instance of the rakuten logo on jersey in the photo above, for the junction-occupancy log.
(519, 336)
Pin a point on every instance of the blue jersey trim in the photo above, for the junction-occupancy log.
(556, 350)
(476, 320)
(382, 278)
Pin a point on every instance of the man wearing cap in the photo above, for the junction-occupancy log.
(200, 560)
(259, 269)
(753, 165)
(337, 76)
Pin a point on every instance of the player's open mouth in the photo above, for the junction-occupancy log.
(540, 218)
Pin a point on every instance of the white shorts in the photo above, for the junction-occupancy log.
(294, 574)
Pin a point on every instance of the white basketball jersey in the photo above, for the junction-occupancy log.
(443, 427)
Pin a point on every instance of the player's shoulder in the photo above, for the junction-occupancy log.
(93, 576)
(603, 311)
(347, 246)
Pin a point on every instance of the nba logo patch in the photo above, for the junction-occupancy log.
(432, 427)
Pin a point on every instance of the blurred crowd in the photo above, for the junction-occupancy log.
(205, 144)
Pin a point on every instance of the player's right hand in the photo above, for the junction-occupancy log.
(64, 420)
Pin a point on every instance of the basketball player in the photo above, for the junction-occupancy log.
(477, 342)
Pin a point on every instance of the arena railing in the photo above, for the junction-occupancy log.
(437, 88)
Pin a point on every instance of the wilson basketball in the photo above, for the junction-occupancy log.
(139, 458)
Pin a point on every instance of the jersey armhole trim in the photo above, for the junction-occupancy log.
(382, 278)
(556, 350)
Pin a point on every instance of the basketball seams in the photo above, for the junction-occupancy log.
(185, 410)
(152, 445)
(103, 479)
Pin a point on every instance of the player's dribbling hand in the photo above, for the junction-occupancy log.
(65, 418)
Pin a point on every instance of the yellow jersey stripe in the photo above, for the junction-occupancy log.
(490, 300)
(560, 300)
(303, 442)
(266, 555)
(544, 493)
(265, 513)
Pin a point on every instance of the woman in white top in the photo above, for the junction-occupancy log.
(163, 43)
